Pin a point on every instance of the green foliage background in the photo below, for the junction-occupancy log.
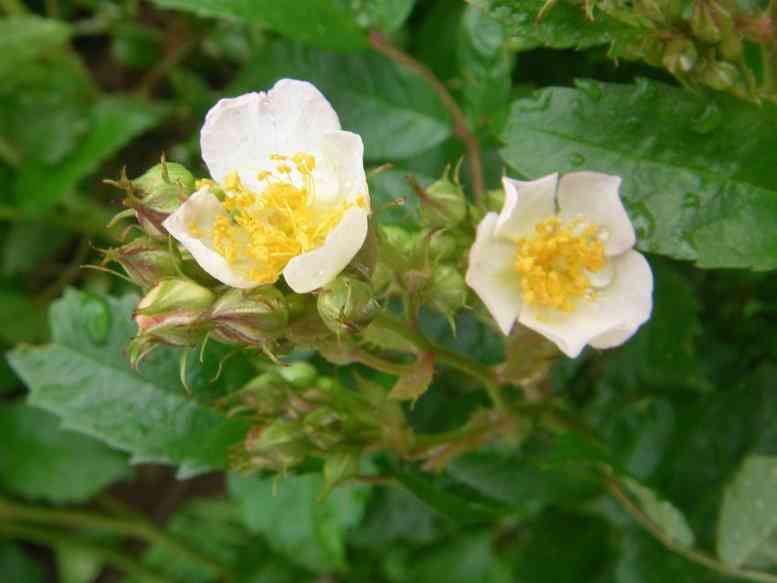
(681, 419)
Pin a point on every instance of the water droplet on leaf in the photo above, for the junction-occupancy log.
(96, 318)
(576, 160)
(691, 200)
(643, 221)
(592, 89)
(708, 120)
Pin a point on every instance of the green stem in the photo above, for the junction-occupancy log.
(53, 538)
(444, 356)
(693, 555)
(135, 528)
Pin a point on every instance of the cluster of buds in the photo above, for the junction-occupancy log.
(297, 414)
(701, 42)
(426, 266)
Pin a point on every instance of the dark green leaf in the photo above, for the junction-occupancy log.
(486, 67)
(28, 244)
(84, 377)
(115, 121)
(564, 26)
(694, 188)
(21, 319)
(41, 461)
(467, 558)
(15, 565)
(296, 522)
(392, 108)
(326, 23)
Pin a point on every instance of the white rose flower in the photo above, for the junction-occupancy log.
(559, 259)
(289, 193)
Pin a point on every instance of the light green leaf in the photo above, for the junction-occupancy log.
(564, 26)
(41, 461)
(84, 377)
(325, 23)
(662, 513)
(115, 121)
(22, 38)
(695, 189)
(296, 522)
(78, 564)
(748, 517)
(392, 108)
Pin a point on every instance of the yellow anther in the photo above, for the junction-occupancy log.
(305, 163)
(266, 229)
(263, 175)
(555, 262)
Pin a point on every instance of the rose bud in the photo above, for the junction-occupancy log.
(347, 305)
(249, 316)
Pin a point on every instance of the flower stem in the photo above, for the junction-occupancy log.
(460, 126)
(693, 555)
(131, 527)
(444, 356)
(53, 538)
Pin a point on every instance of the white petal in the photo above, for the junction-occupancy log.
(610, 319)
(314, 269)
(594, 197)
(240, 133)
(202, 209)
(491, 274)
(342, 175)
(526, 204)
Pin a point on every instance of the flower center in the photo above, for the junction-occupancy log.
(271, 227)
(555, 261)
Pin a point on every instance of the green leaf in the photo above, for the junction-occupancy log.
(15, 565)
(44, 109)
(115, 121)
(748, 517)
(84, 377)
(392, 108)
(467, 558)
(564, 26)
(662, 513)
(21, 320)
(77, 564)
(395, 516)
(23, 38)
(486, 68)
(663, 353)
(325, 23)
(27, 245)
(693, 187)
(41, 461)
(296, 522)
(213, 529)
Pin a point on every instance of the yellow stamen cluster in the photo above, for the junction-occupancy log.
(555, 262)
(271, 227)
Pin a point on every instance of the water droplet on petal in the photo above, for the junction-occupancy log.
(96, 318)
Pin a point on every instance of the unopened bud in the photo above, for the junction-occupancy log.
(720, 76)
(300, 375)
(277, 447)
(704, 24)
(347, 305)
(171, 313)
(263, 396)
(323, 428)
(447, 290)
(249, 316)
(445, 204)
(162, 189)
(680, 56)
(145, 261)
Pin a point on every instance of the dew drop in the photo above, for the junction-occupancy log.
(691, 201)
(708, 120)
(96, 318)
(643, 221)
(592, 89)
(576, 159)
